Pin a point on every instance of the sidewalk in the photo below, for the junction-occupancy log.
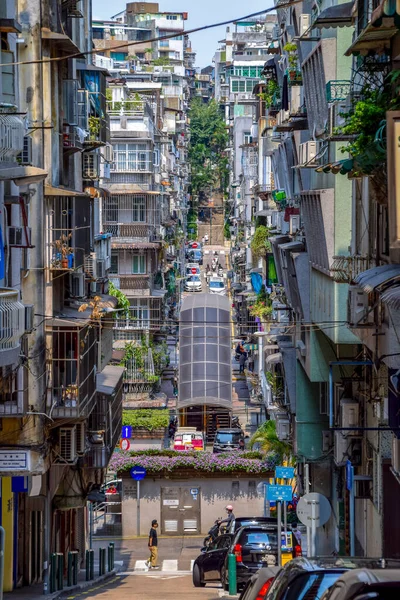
(35, 592)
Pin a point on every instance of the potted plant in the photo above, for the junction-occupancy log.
(294, 74)
(63, 252)
(94, 127)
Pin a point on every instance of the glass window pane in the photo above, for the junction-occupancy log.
(186, 315)
(185, 390)
(198, 352)
(212, 334)
(211, 315)
(198, 370)
(223, 316)
(211, 388)
(186, 357)
(225, 373)
(212, 353)
(198, 315)
(224, 354)
(186, 373)
(225, 391)
(185, 337)
(198, 389)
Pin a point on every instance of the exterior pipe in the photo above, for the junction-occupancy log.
(344, 363)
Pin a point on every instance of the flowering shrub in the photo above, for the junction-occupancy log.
(201, 461)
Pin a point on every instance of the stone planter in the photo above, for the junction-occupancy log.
(141, 433)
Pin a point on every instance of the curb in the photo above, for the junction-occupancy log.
(85, 584)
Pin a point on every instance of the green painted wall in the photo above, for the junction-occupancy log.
(309, 422)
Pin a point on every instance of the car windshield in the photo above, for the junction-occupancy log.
(310, 586)
(246, 522)
(194, 278)
(224, 438)
(262, 538)
(217, 285)
(195, 254)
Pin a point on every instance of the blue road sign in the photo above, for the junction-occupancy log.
(138, 473)
(349, 475)
(284, 472)
(126, 432)
(280, 492)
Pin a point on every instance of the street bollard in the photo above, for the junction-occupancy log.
(60, 571)
(53, 572)
(102, 561)
(89, 565)
(111, 550)
(72, 569)
(232, 575)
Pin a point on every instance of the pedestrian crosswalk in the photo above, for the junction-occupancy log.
(165, 566)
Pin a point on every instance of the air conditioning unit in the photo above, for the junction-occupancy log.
(282, 427)
(294, 224)
(357, 307)
(26, 154)
(17, 236)
(349, 415)
(304, 23)
(90, 264)
(335, 118)
(29, 314)
(77, 285)
(100, 268)
(308, 154)
(90, 165)
(80, 438)
(67, 443)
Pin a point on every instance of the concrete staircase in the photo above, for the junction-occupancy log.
(211, 220)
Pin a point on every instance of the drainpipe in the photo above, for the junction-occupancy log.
(345, 363)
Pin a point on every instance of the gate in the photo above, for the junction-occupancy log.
(180, 510)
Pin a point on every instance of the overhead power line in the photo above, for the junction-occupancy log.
(155, 39)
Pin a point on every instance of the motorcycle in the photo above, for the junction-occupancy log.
(213, 533)
(236, 423)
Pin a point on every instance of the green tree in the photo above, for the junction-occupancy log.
(208, 140)
(269, 442)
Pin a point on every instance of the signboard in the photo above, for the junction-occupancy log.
(138, 473)
(284, 472)
(280, 492)
(125, 444)
(349, 475)
(126, 431)
(313, 509)
(14, 460)
(168, 502)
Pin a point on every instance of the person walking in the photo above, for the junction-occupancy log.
(153, 546)
(242, 362)
(296, 534)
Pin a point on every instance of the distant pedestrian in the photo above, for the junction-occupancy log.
(242, 362)
(153, 546)
(296, 534)
(203, 240)
(241, 444)
(206, 238)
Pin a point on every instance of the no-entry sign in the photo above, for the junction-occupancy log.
(125, 444)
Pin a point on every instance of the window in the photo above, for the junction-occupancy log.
(138, 209)
(114, 263)
(139, 265)
(139, 313)
(131, 157)
(246, 137)
(120, 56)
(164, 43)
(156, 157)
(172, 17)
(112, 209)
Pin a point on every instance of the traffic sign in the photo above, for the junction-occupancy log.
(194, 271)
(126, 432)
(280, 492)
(124, 444)
(313, 509)
(284, 472)
(195, 245)
(349, 475)
(138, 473)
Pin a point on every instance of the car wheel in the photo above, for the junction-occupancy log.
(222, 575)
(197, 577)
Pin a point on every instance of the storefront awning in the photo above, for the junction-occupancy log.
(50, 190)
(339, 15)
(108, 380)
(22, 175)
(377, 277)
(391, 297)
(273, 359)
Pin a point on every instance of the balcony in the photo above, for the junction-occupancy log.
(132, 285)
(138, 108)
(72, 360)
(139, 377)
(133, 232)
(12, 325)
(345, 269)
(337, 90)
(295, 77)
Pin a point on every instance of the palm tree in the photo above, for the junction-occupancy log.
(269, 442)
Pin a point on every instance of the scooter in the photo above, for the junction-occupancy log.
(212, 534)
(236, 423)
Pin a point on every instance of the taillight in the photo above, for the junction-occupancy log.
(262, 593)
(297, 551)
(238, 552)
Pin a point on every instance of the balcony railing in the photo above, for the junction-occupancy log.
(72, 369)
(337, 90)
(131, 108)
(345, 269)
(133, 285)
(12, 325)
(133, 231)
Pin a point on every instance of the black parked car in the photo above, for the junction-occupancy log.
(259, 584)
(366, 584)
(255, 546)
(310, 578)
(226, 440)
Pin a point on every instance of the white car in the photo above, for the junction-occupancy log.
(192, 269)
(193, 283)
(217, 286)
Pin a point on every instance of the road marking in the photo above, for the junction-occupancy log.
(170, 565)
(206, 252)
(140, 565)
